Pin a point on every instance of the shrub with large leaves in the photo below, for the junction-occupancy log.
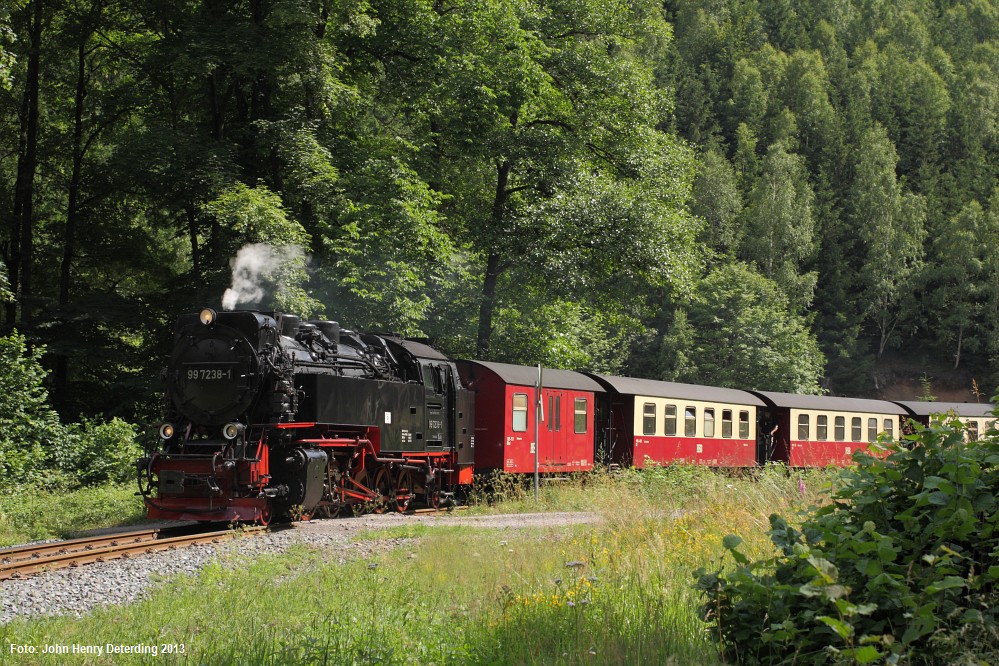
(900, 567)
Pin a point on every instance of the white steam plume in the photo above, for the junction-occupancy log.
(258, 269)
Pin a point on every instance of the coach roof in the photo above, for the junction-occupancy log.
(829, 403)
(967, 409)
(658, 389)
(526, 375)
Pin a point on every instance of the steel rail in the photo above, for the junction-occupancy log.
(24, 561)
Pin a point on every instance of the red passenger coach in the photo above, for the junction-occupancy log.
(664, 422)
(818, 431)
(505, 400)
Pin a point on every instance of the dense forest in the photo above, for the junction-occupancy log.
(752, 193)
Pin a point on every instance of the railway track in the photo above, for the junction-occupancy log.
(23, 561)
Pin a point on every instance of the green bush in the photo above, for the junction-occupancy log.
(29, 427)
(36, 448)
(900, 566)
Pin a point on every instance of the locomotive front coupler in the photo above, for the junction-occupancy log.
(275, 491)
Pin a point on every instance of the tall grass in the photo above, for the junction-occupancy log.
(614, 592)
(29, 513)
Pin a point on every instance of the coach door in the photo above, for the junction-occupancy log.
(552, 432)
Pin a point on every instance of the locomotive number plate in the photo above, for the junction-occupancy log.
(210, 372)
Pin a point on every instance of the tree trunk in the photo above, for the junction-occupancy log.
(60, 375)
(960, 342)
(493, 268)
(22, 227)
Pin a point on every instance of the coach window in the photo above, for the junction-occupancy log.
(709, 423)
(726, 423)
(520, 412)
(822, 427)
(890, 427)
(743, 425)
(872, 430)
(551, 411)
(649, 422)
(670, 420)
(972, 430)
(840, 428)
(803, 427)
(856, 429)
(690, 421)
(558, 413)
(580, 413)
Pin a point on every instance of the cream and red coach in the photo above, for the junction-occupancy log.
(977, 417)
(505, 407)
(818, 431)
(655, 422)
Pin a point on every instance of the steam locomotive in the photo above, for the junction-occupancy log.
(271, 416)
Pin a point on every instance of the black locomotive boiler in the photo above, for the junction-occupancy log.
(268, 415)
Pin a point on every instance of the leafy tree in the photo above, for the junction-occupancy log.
(779, 227)
(955, 275)
(545, 141)
(740, 331)
(717, 199)
(889, 220)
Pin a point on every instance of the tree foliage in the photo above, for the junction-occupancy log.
(457, 169)
(741, 331)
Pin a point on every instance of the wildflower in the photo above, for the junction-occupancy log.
(574, 564)
(558, 581)
(373, 565)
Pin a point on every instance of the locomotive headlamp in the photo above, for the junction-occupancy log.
(167, 430)
(207, 316)
(232, 430)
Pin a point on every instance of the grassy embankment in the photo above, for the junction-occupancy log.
(32, 514)
(616, 592)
